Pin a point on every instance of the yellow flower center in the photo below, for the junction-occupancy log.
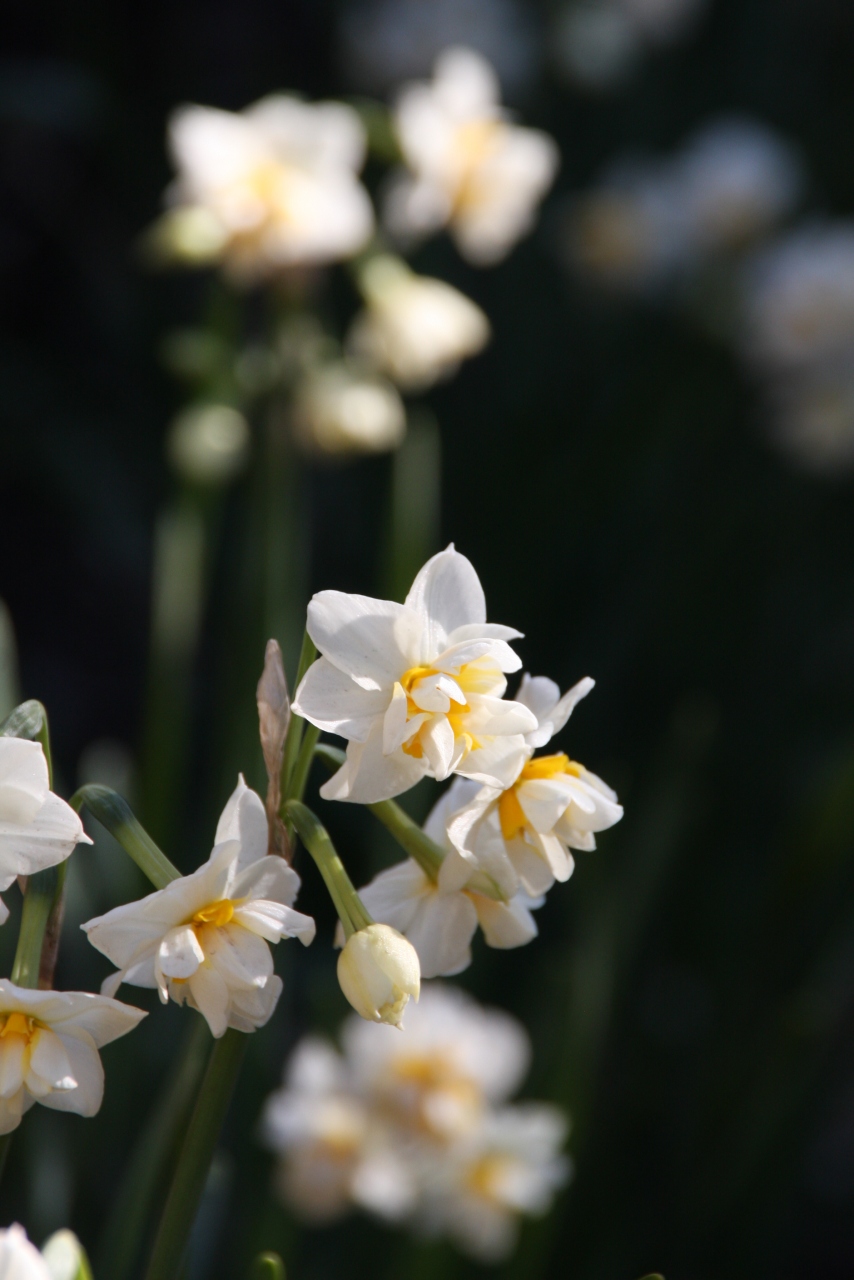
(19, 1024)
(510, 812)
(473, 677)
(215, 913)
(420, 1076)
(474, 142)
(486, 1176)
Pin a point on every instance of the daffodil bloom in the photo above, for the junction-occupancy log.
(470, 168)
(333, 1152)
(270, 187)
(37, 829)
(415, 687)
(440, 922)
(378, 971)
(203, 938)
(49, 1042)
(415, 329)
(510, 1167)
(521, 834)
(451, 1062)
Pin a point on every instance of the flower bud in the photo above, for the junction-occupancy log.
(378, 971)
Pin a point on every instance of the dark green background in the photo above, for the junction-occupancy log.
(690, 996)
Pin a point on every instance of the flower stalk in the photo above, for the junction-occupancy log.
(114, 813)
(315, 837)
(197, 1149)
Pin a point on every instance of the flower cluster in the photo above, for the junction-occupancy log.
(415, 1126)
(650, 223)
(418, 690)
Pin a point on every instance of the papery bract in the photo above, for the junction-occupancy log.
(203, 938)
(415, 687)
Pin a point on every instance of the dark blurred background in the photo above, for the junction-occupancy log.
(691, 997)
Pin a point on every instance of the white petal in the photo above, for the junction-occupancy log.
(274, 921)
(86, 1068)
(533, 871)
(270, 878)
(242, 958)
(441, 933)
(505, 924)
(4, 912)
(557, 856)
(497, 762)
(11, 1065)
(544, 800)
(358, 635)
(24, 784)
(332, 700)
(180, 953)
(438, 744)
(210, 997)
(393, 896)
(244, 819)
(50, 1062)
(368, 776)
(455, 798)
(447, 593)
(395, 731)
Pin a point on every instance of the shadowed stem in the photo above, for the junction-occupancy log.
(197, 1149)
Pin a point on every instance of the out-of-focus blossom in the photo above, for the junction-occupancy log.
(598, 43)
(203, 939)
(738, 180)
(440, 922)
(49, 1042)
(267, 188)
(811, 417)
(510, 1167)
(19, 1259)
(37, 828)
(342, 410)
(386, 41)
(628, 232)
(209, 443)
(522, 835)
(65, 1257)
(333, 1153)
(416, 329)
(799, 298)
(470, 169)
(414, 1125)
(453, 1061)
(379, 973)
(417, 688)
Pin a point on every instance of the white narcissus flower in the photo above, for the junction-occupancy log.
(415, 687)
(521, 835)
(19, 1259)
(416, 329)
(339, 410)
(470, 168)
(378, 971)
(333, 1153)
(203, 938)
(49, 1042)
(440, 922)
(452, 1061)
(37, 829)
(511, 1166)
(270, 187)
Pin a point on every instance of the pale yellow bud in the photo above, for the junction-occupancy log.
(378, 971)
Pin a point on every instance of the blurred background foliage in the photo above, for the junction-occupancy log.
(691, 997)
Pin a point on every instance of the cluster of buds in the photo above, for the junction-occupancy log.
(415, 1127)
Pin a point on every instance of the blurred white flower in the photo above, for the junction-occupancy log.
(470, 169)
(20, 1260)
(209, 443)
(340, 410)
(49, 1042)
(416, 329)
(811, 418)
(379, 972)
(522, 835)
(65, 1258)
(387, 41)
(270, 187)
(203, 939)
(799, 298)
(415, 687)
(738, 179)
(510, 1167)
(629, 232)
(333, 1152)
(37, 828)
(440, 922)
(453, 1060)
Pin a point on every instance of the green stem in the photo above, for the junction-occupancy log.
(123, 1235)
(44, 890)
(315, 837)
(197, 1149)
(409, 836)
(268, 1266)
(299, 777)
(114, 813)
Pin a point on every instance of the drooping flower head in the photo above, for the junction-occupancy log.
(203, 939)
(37, 828)
(270, 187)
(49, 1042)
(417, 687)
(470, 168)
